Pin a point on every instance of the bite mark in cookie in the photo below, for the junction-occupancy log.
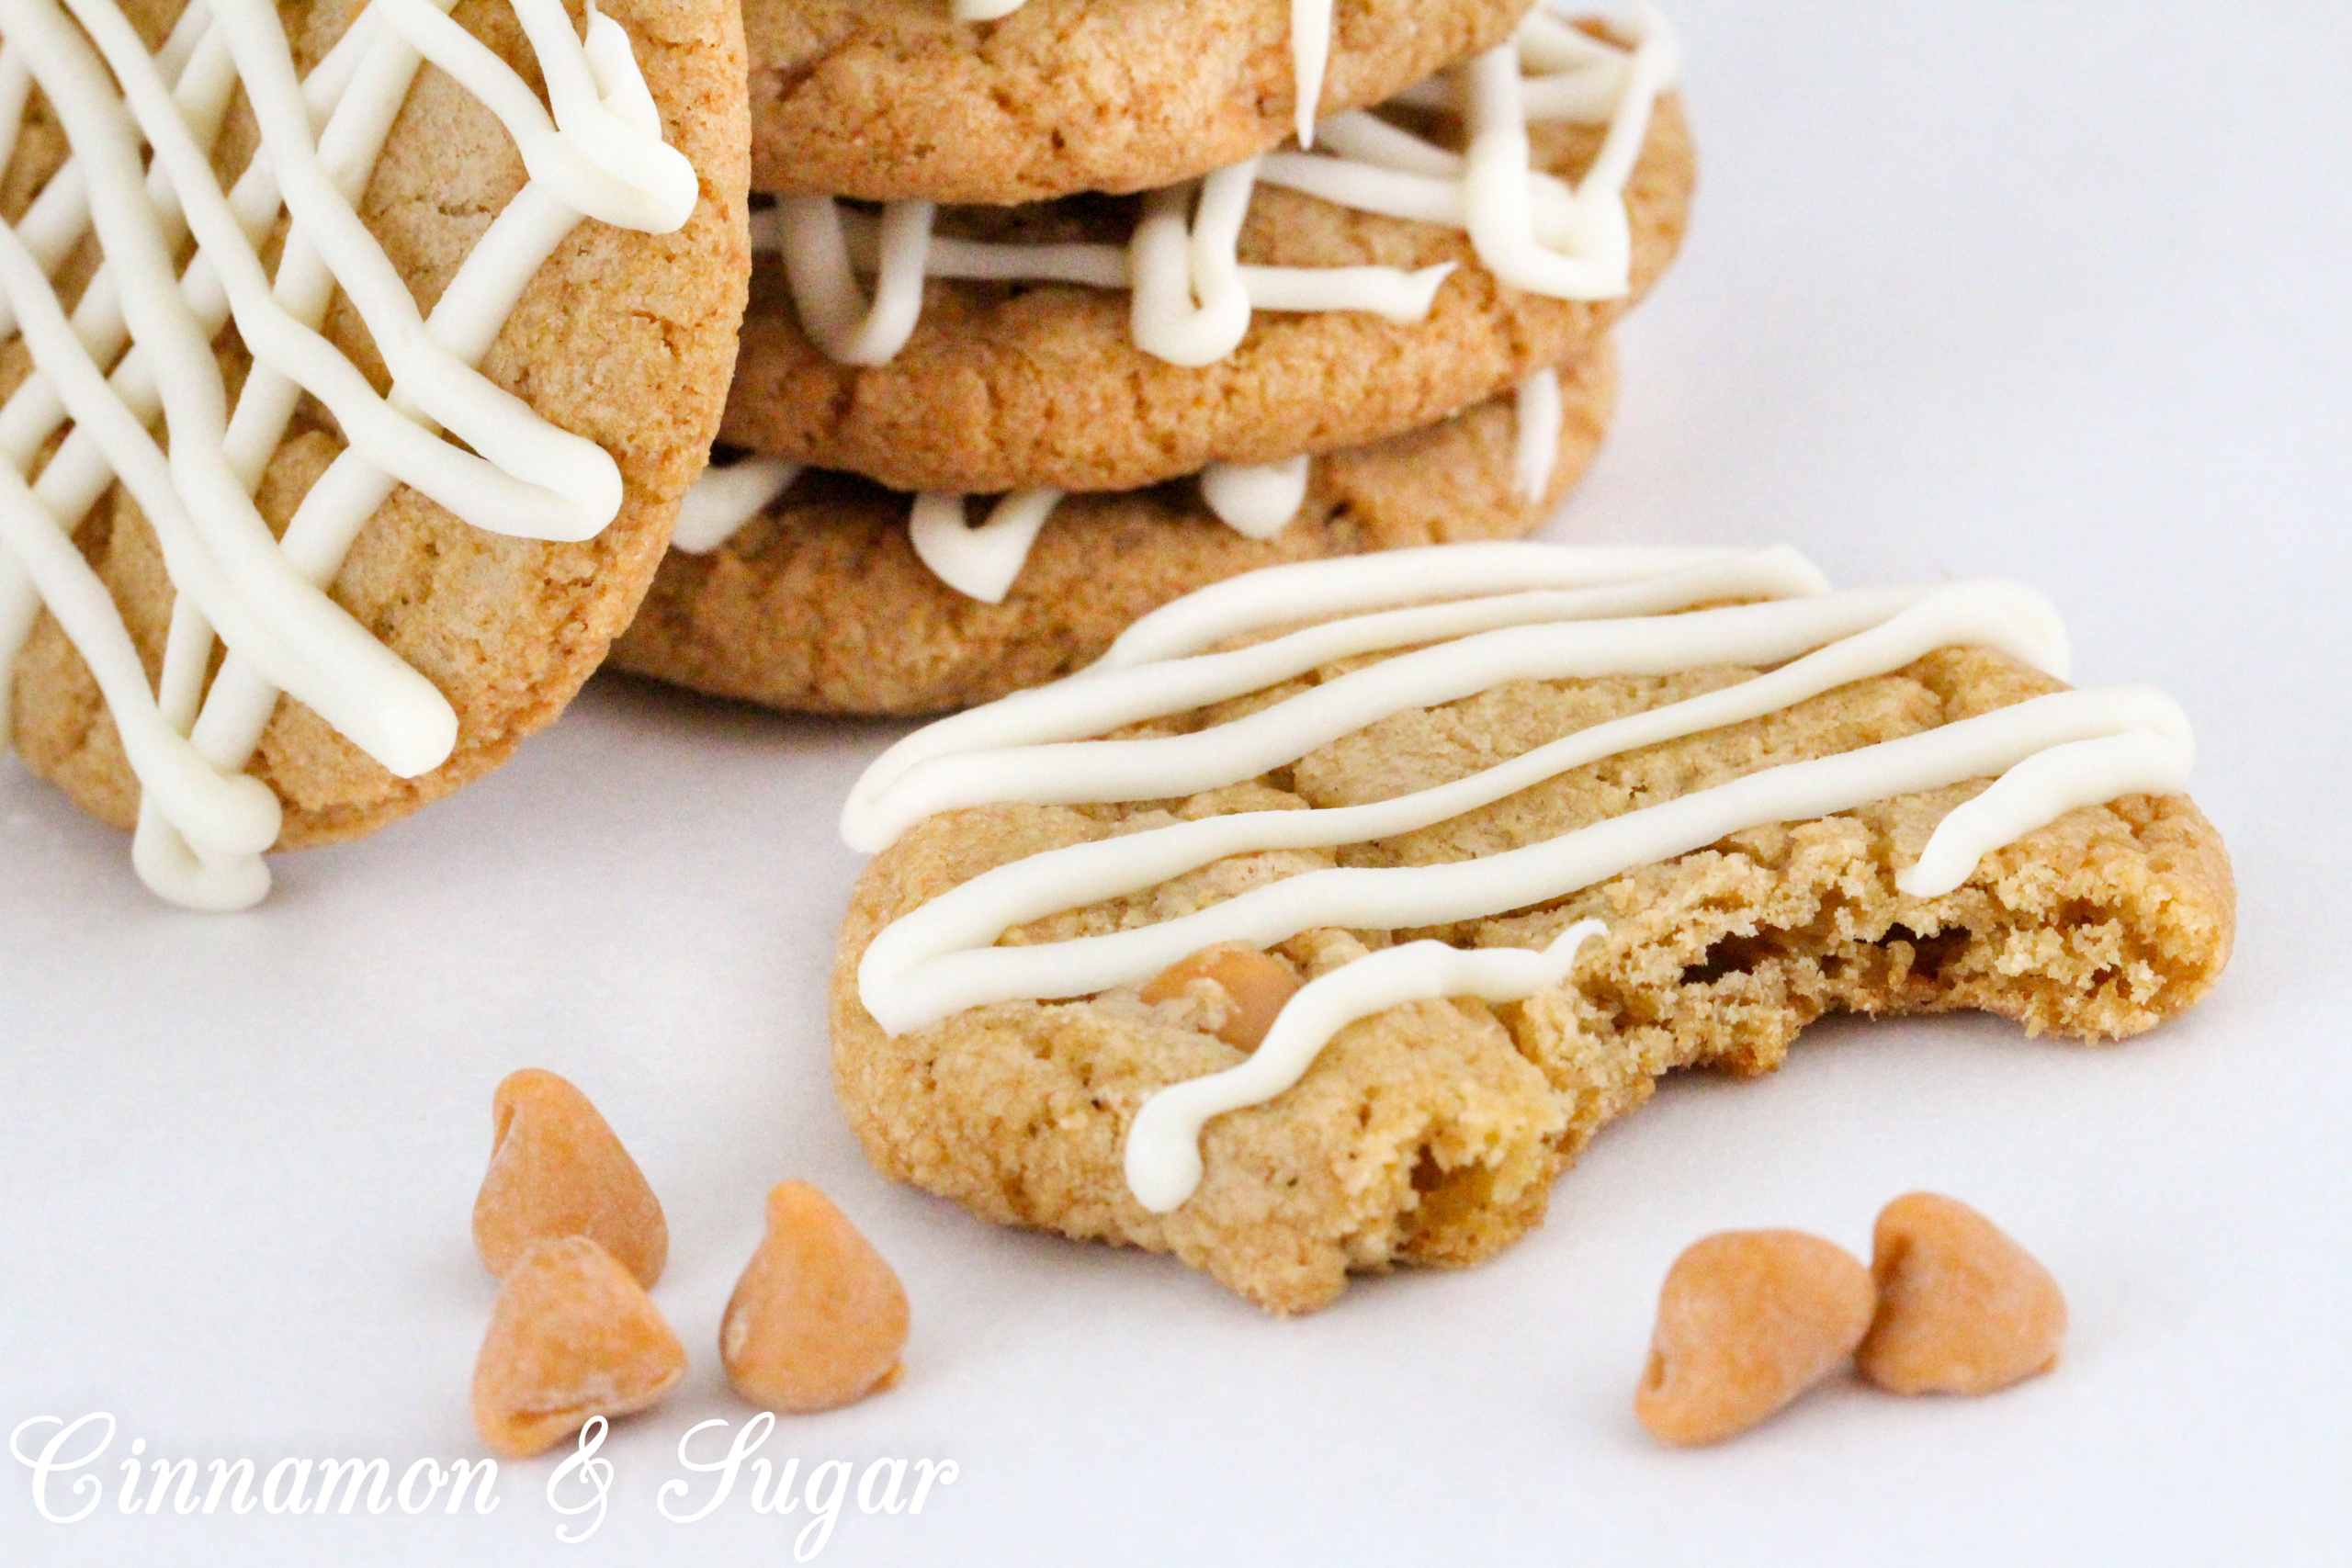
(1775, 806)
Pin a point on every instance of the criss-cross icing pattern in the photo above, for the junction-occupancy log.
(137, 345)
(1457, 620)
(1193, 300)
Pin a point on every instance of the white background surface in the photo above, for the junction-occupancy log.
(2056, 292)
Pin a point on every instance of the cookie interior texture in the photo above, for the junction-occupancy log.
(821, 605)
(888, 100)
(1004, 386)
(622, 337)
(1430, 1134)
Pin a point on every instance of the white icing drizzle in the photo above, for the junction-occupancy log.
(1256, 500)
(979, 563)
(1310, 48)
(1185, 250)
(1531, 229)
(1536, 428)
(1310, 52)
(825, 247)
(725, 498)
(1164, 1157)
(202, 826)
(847, 326)
(1473, 617)
(1193, 300)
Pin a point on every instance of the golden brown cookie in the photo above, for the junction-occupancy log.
(1429, 1131)
(822, 605)
(1004, 386)
(889, 100)
(622, 337)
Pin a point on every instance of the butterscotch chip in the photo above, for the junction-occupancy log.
(573, 1338)
(1747, 1321)
(1962, 1307)
(556, 1169)
(1245, 987)
(819, 1318)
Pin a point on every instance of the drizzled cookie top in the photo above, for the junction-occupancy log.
(138, 344)
(1441, 625)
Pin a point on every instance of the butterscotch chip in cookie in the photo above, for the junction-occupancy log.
(573, 1336)
(556, 1169)
(822, 604)
(621, 339)
(1962, 1307)
(1747, 1321)
(892, 99)
(1539, 826)
(819, 1319)
(1007, 384)
(1241, 989)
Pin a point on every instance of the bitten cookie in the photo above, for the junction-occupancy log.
(888, 100)
(823, 604)
(600, 304)
(1342, 320)
(1534, 826)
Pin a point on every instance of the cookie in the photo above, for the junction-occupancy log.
(1341, 319)
(889, 100)
(1606, 815)
(600, 305)
(824, 604)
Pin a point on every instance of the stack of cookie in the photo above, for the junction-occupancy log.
(1062, 309)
